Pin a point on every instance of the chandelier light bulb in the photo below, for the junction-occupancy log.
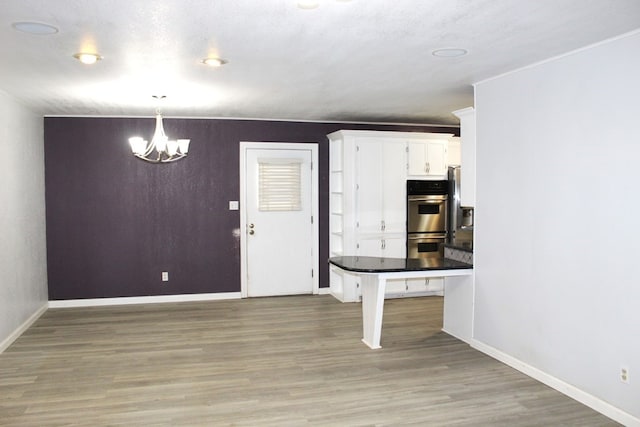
(183, 145)
(172, 147)
(138, 144)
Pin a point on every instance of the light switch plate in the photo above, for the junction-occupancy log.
(234, 205)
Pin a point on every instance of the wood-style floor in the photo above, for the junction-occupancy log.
(288, 361)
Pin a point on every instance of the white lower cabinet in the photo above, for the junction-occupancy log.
(415, 287)
(427, 286)
(389, 246)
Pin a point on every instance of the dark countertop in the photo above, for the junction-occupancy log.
(364, 264)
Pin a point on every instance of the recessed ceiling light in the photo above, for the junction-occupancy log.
(453, 52)
(87, 58)
(313, 4)
(37, 28)
(308, 4)
(214, 62)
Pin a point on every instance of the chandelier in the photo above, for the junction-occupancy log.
(161, 149)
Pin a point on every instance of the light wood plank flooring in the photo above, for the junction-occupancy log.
(288, 361)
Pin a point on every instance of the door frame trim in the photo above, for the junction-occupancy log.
(313, 146)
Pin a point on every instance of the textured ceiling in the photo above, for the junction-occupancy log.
(362, 60)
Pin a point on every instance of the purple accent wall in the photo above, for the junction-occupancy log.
(115, 222)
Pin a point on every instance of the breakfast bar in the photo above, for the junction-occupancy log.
(375, 271)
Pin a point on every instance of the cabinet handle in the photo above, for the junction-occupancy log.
(384, 244)
(383, 225)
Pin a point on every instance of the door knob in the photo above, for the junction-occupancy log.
(252, 232)
(251, 225)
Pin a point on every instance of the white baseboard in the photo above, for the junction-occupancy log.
(323, 291)
(573, 392)
(96, 302)
(20, 330)
(457, 336)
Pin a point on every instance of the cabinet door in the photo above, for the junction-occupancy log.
(370, 246)
(394, 247)
(381, 246)
(394, 187)
(454, 154)
(396, 287)
(417, 158)
(427, 158)
(431, 284)
(369, 186)
(437, 158)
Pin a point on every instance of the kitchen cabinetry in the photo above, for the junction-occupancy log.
(428, 157)
(368, 174)
(467, 118)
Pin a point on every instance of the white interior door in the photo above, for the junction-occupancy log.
(278, 222)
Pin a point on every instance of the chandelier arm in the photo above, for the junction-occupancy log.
(174, 158)
(146, 159)
(149, 150)
(159, 159)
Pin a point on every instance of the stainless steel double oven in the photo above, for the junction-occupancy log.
(426, 218)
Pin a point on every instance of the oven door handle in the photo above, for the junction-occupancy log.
(432, 199)
(430, 236)
(428, 202)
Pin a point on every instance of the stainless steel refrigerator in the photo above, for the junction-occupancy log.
(460, 221)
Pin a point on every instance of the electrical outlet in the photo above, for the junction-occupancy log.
(165, 276)
(624, 374)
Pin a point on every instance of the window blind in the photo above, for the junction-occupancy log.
(279, 185)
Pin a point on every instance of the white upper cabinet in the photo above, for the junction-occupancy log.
(394, 189)
(453, 152)
(467, 118)
(380, 178)
(428, 157)
(368, 191)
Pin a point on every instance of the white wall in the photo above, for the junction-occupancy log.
(558, 218)
(23, 270)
